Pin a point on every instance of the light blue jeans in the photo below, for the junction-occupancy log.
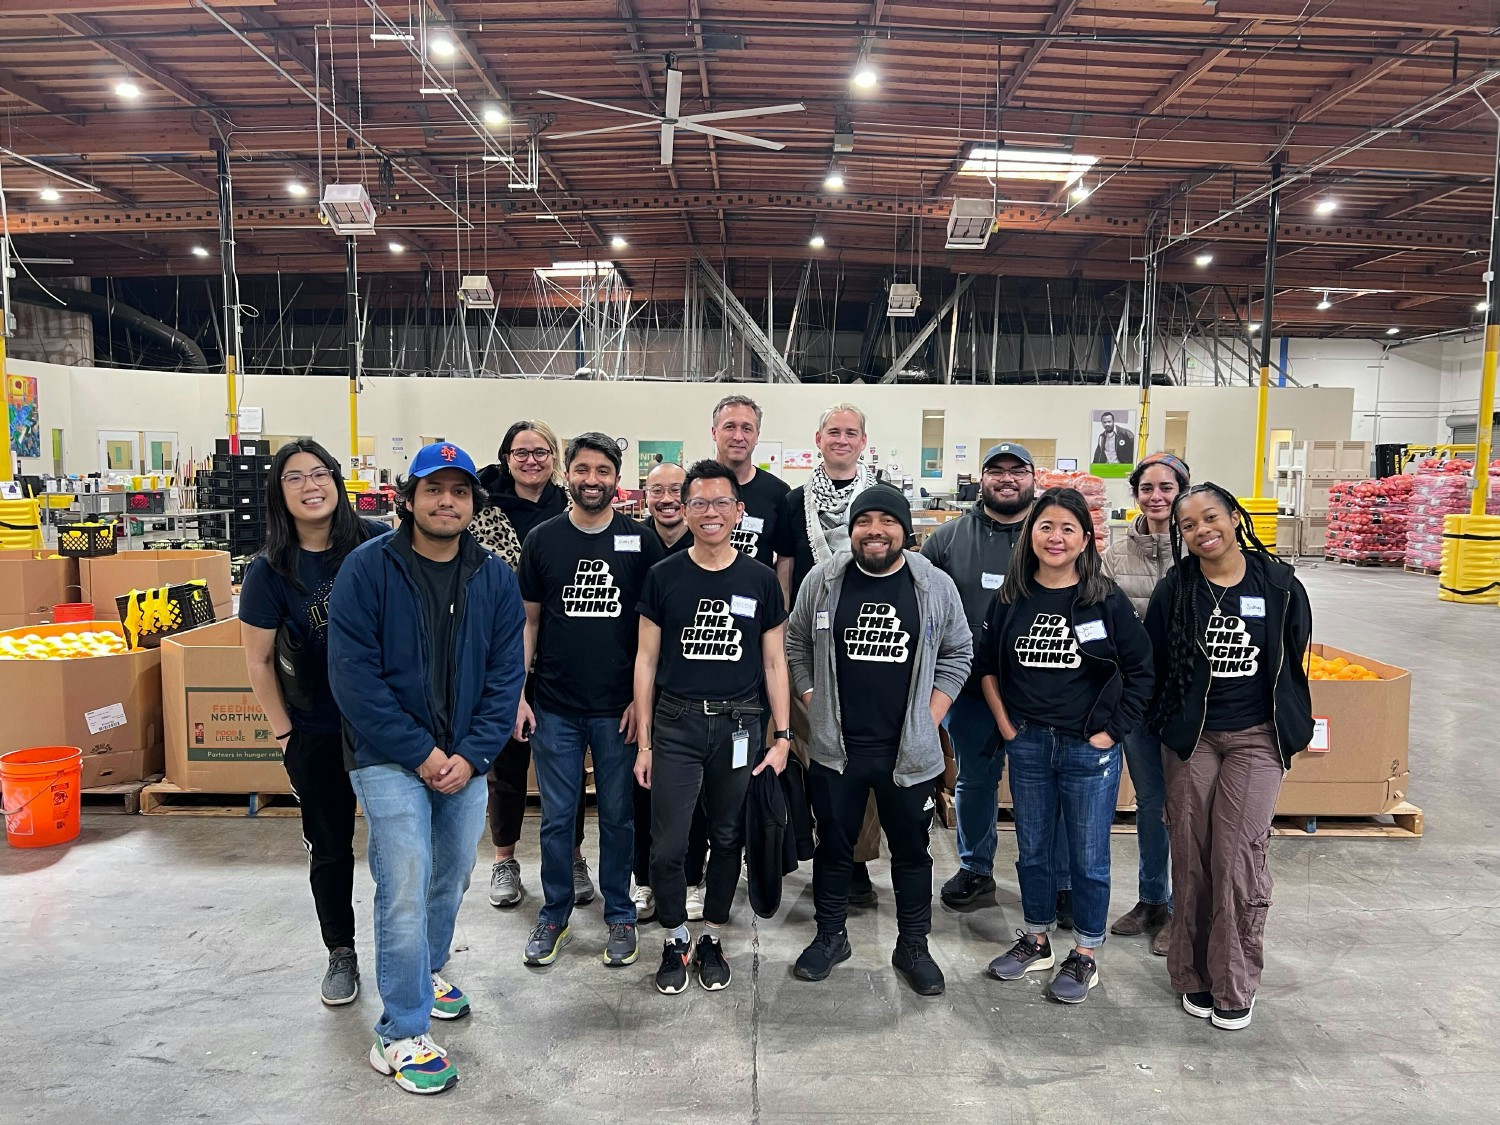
(1143, 756)
(981, 761)
(422, 848)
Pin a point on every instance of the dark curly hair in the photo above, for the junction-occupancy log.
(1185, 627)
(1093, 584)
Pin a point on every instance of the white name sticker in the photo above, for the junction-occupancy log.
(105, 718)
(1091, 631)
(628, 543)
(1252, 607)
(742, 607)
(991, 581)
(1321, 740)
(822, 619)
(752, 523)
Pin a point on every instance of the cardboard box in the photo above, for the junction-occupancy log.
(116, 767)
(101, 704)
(31, 583)
(105, 579)
(218, 738)
(1341, 798)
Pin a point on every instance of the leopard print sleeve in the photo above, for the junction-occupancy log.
(496, 534)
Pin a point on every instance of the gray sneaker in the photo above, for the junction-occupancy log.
(620, 949)
(341, 981)
(1026, 956)
(546, 942)
(1073, 981)
(583, 886)
(505, 884)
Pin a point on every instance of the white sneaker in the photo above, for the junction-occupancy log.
(645, 903)
(695, 903)
(418, 1064)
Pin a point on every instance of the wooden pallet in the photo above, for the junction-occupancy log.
(1431, 571)
(1376, 564)
(1406, 824)
(165, 799)
(122, 797)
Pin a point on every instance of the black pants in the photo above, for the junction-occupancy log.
(315, 764)
(697, 846)
(507, 782)
(693, 754)
(838, 801)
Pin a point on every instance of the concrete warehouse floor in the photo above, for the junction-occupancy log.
(165, 969)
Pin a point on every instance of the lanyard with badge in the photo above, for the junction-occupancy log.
(741, 607)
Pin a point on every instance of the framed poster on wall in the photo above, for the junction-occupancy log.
(1112, 433)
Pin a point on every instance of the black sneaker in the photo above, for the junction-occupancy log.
(1064, 910)
(861, 890)
(341, 981)
(819, 958)
(965, 887)
(1073, 981)
(914, 962)
(1232, 1019)
(672, 977)
(1200, 1004)
(713, 969)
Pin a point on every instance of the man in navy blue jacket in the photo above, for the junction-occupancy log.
(426, 663)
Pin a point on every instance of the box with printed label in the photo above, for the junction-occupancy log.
(31, 583)
(105, 579)
(100, 704)
(218, 738)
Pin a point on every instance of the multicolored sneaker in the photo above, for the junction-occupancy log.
(448, 1000)
(418, 1064)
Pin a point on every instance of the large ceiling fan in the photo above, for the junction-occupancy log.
(670, 120)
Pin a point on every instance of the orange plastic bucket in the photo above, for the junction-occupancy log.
(72, 612)
(39, 790)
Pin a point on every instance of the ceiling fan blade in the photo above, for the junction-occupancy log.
(593, 132)
(774, 146)
(729, 114)
(666, 143)
(674, 92)
(599, 105)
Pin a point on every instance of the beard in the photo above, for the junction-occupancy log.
(876, 556)
(590, 506)
(1003, 507)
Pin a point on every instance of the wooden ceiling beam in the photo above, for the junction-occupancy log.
(1415, 201)
(1363, 76)
(286, 44)
(1458, 15)
(1017, 77)
(33, 94)
(99, 37)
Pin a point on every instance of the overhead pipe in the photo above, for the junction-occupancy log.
(1262, 400)
(24, 292)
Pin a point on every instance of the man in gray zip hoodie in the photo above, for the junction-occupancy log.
(878, 646)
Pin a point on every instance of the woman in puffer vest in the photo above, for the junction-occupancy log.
(1137, 562)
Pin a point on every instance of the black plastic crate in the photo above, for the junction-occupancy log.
(243, 465)
(235, 484)
(152, 503)
(86, 540)
(150, 615)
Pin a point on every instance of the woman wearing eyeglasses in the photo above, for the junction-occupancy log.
(310, 528)
(525, 489)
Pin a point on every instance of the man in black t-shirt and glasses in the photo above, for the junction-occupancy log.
(711, 647)
(580, 575)
(879, 648)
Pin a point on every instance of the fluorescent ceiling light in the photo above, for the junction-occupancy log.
(866, 77)
(441, 46)
(392, 36)
(1203, 259)
(1081, 192)
(437, 90)
(199, 252)
(1325, 303)
(1326, 206)
(498, 158)
(618, 242)
(834, 181)
(395, 248)
(493, 116)
(817, 242)
(1393, 331)
(1026, 164)
(50, 195)
(294, 188)
(127, 89)
(576, 269)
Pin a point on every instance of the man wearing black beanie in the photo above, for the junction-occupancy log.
(876, 692)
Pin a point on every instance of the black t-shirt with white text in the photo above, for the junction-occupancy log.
(877, 631)
(1044, 680)
(755, 534)
(1239, 686)
(587, 583)
(438, 584)
(711, 625)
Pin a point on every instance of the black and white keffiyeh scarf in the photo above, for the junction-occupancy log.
(826, 510)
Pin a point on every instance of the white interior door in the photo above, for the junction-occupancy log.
(119, 451)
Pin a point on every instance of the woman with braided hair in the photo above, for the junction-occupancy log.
(1229, 624)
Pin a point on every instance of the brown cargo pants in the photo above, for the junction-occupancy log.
(1219, 808)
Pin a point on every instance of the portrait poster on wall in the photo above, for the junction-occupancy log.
(1112, 433)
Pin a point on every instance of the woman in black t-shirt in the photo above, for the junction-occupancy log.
(1230, 624)
(1066, 671)
(310, 528)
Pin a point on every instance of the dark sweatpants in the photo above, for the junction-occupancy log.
(315, 765)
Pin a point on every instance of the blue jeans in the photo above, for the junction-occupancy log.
(422, 847)
(557, 747)
(981, 761)
(1143, 756)
(1054, 773)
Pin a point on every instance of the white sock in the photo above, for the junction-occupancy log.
(679, 934)
(711, 931)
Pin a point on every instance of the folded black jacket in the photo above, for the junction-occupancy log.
(770, 845)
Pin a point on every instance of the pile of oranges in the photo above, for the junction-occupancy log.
(65, 646)
(1319, 668)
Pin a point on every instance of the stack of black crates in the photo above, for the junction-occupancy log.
(237, 483)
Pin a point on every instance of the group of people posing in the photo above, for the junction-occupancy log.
(515, 620)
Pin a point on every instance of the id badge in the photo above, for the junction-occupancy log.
(741, 748)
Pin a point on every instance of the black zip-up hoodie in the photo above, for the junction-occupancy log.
(1288, 630)
(1118, 662)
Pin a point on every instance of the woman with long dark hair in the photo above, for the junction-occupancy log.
(1066, 672)
(526, 488)
(1230, 623)
(1137, 561)
(310, 529)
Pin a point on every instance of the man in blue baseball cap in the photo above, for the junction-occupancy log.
(426, 662)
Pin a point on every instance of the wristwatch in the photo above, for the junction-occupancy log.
(786, 734)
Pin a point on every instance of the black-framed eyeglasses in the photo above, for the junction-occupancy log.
(1020, 472)
(531, 454)
(295, 479)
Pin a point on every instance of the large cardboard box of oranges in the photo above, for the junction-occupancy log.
(75, 685)
(104, 579)
(218, 738)
(31, 583)
(1359, 765)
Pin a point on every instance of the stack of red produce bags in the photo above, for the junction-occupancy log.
(1440, 488)
(1093, 491)
(1367, 519)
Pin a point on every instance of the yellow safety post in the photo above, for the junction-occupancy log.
(5, 469)
(354, 418)
(233, 413)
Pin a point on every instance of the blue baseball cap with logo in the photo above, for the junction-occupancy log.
(441, 455)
